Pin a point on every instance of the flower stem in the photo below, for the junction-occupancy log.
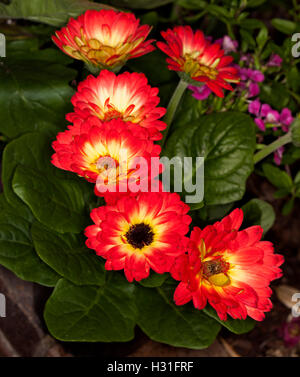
(268, 149)
(94, 70)
(172, 107)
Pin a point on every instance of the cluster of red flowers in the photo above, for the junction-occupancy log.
(138, 231)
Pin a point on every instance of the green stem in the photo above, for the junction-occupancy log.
(287, 138)
(230, 31)
(94, 70)
(172, 107)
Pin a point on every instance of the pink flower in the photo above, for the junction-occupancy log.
(200, 92)
(253, 90)
(286, 119)
(260, 124)
(261, 111)
(255, 108)
(272, 116)
(278, 155)
(244, 73)
(265, 109)
(249, 79)
(251, 74)
(255, 75)
(265, 114)
(275, 61)
(228, 44)
(248, 58)
(290, 332)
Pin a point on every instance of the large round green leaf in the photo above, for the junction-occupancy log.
(227, 143)
(179, 326)
(237, 326)
(67, 254)
(17, 252)
(259, 212)
(92, 313)
(54, 12)
(35, 92)
(154, 280)
(140, 4)
(56, 198)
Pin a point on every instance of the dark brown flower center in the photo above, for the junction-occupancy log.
(139, 235)
(214, 267)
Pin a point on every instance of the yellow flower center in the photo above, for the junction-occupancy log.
(111, 112)
(101, 53)
(194, 68)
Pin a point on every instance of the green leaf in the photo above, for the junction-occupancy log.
(56, 198)
(262, 37)
(227, 142)
(92, 313)
(293, 78)
(247, 37)
(296, 132)
(179, 326)
(54, 12)
(68, 256)
(196, 206)
(17, 252)
(237, 326)
(154, 66)
(275, 94)
(287, 208)
(291, 154)
(217, 11)
(297, 183)
(154, 280)
(259, 212)
(285, 26)
(35, 92)
(190, 110)
(210, 213)
(281, 193)
(252, 24)
(297, 178)
(139, 4)
(192, 4)
(277, 177)
(150, 18)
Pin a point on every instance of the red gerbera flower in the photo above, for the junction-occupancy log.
(108, 153)
(105, 38)
(127, 96)
(139, 233)
(230, 269)
(197, 58)
(150, 183)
